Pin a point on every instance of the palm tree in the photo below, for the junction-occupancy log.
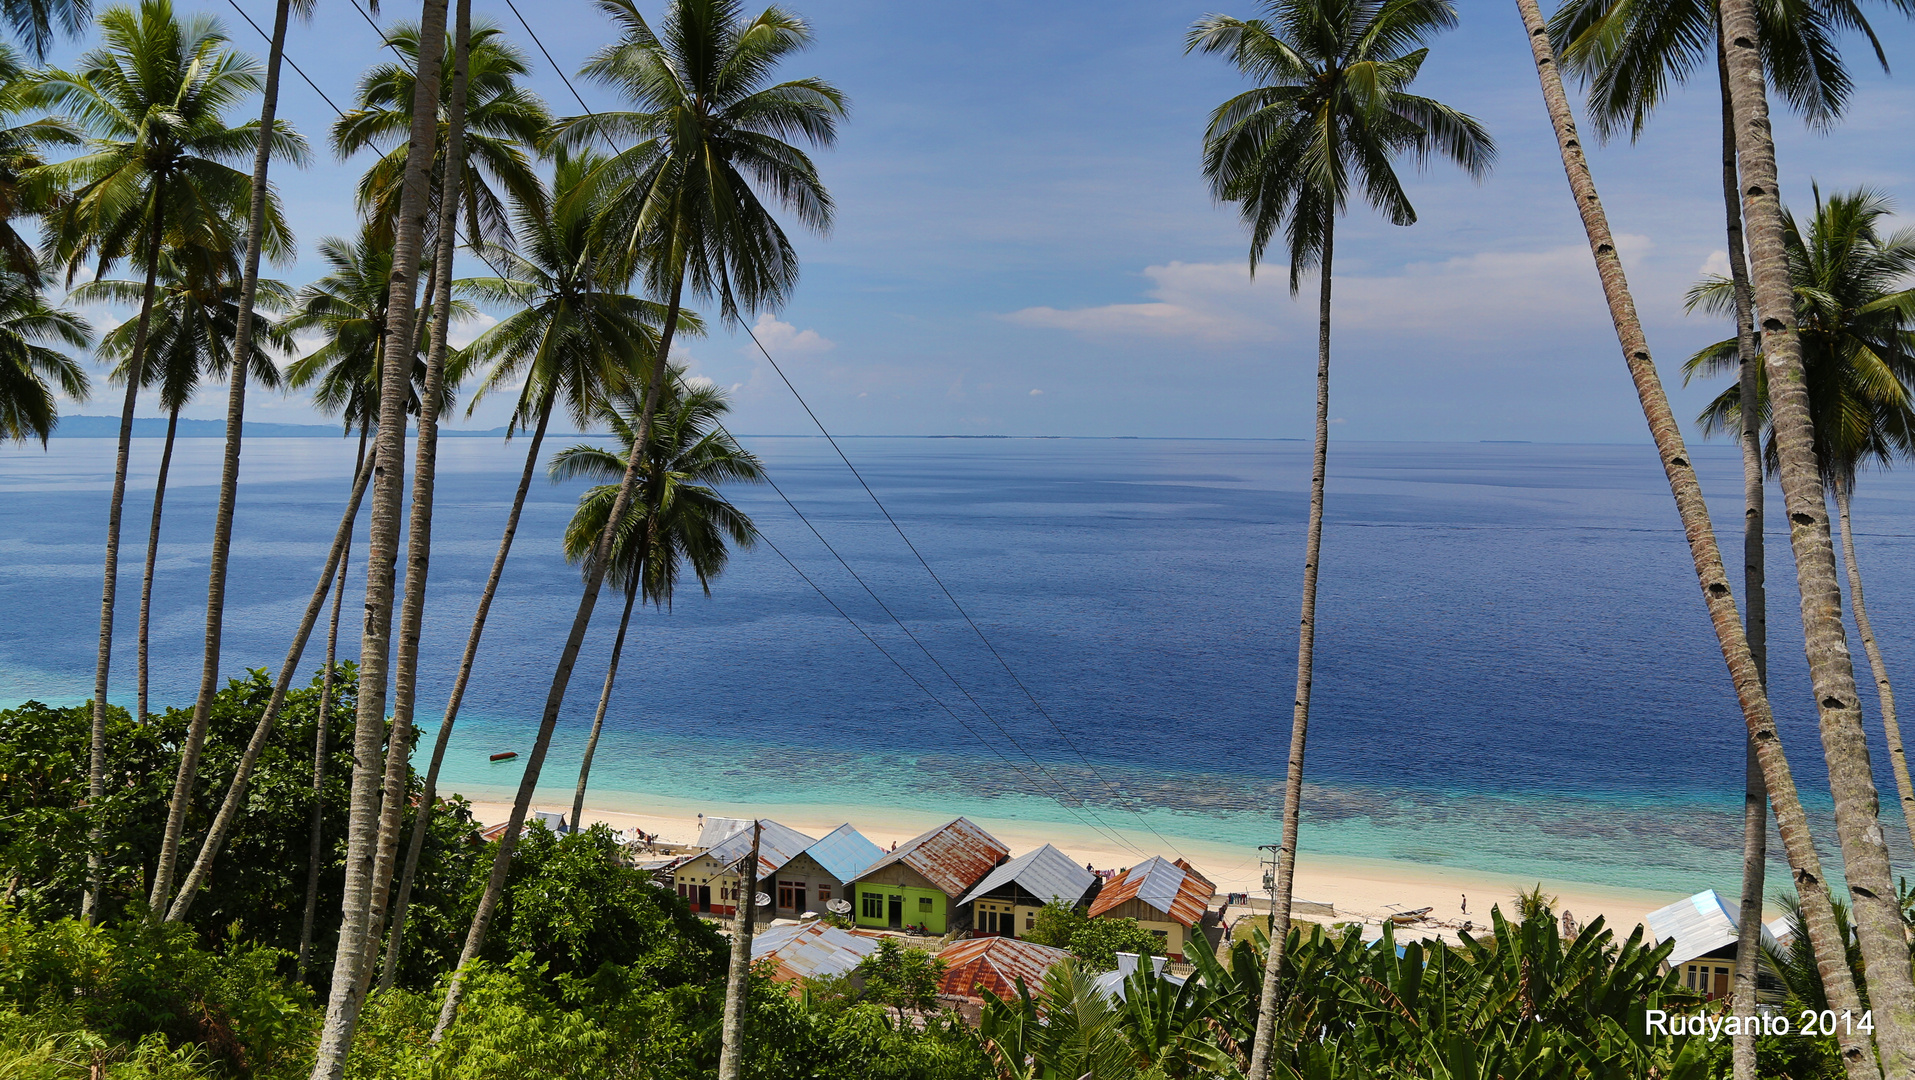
(419, 534)
(707, 125)
(38, 22)
(24, 191)
(1331, 107)
(676, 518)
(1711, 576)
(577, 338)
(30, 367)
(153, 97)
(1878, 918)
(356, 933)
(1630, 54)
(501, 120)
(1858, 351)
(194, 325)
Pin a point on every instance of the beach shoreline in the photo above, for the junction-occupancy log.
(1360, 888)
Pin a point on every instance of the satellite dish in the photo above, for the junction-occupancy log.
(839, 907)
(762, 899)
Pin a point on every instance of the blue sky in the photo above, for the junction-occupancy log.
(1024, 245)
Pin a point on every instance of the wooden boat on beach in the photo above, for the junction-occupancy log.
(1404, 918)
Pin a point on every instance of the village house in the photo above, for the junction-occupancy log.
(919, 884)
(821, 873)
(1006, 902)
(1706, 930)
(996, 964)
(709, 880)
(1167, 898)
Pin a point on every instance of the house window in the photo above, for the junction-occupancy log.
(1030, 922)
(873, 906)
(924, 903)
(824, 892)
(791, 894)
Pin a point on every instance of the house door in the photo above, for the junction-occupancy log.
(704, 898)
(897, 912)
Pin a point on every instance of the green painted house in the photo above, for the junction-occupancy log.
(920, 882)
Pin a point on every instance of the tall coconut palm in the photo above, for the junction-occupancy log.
(388, 494)
(1856, 315)
(31, 367)
(1631, 55)
(1877, 914)
(1331, 109)
(1711, 576)
(677, 520)
(195, 322)
(502, 119)
(153, 98)
(708, 132)
(576, 338)
(419, 534)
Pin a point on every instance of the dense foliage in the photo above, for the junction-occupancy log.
(1096, 942)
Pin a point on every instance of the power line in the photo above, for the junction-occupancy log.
(560, 72)
(1078, 800)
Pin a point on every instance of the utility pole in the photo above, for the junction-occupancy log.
(1269, 863)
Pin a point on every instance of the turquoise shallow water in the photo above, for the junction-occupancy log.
(1514, 674)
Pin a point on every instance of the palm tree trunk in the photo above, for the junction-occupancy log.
(96, 764)
(362, 838)
(1878, 916)
(263, 730)
(1755, 792)
(322, 730)
(1897, 756)
(555, 697)
(152, 554)
(1260, 1055)
(731, 1049)
(1811, 886)
(428, 799)
(229, 474)
(598, 721)
(419, 534)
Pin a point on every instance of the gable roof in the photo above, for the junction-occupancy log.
(844, 852)
(952, 857)
(810, 949)
(1044, 873)
(1174, 888)
(716, 830)
(996, 963)
(777, 845)
(1701, 924)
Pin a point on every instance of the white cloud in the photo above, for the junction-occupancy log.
(1467, 296)
(465, 331)
(1717, 263)
(698, 382)
(782, 339)
(1037, 393)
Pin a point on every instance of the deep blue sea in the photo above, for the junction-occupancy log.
(1514, 671)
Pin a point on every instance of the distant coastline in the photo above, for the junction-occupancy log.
(154, 427)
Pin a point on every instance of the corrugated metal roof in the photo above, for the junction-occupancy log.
(953, 856)
(1701, 924)
(810, 949)
(777, 845)
(844, 852)
(1174, 888)
(716, 830)
(1044, 873)
(995, 963)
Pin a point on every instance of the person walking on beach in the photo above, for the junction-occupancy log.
(1465, 903)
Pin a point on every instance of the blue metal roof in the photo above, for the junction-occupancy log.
(844, 852)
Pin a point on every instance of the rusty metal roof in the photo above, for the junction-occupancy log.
(810, 949)
(954, 856)
(995, 963)
(1174, 888)
(777, 845)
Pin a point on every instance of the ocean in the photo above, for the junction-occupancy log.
(1514, 671)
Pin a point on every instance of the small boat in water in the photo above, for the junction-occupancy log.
(508, 755)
